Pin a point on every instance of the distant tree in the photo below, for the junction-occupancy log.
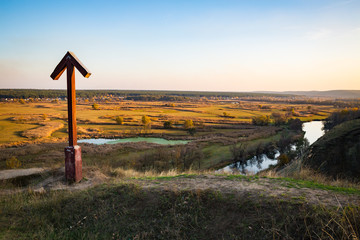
(188, 124)
(279, 119)
(168, 124)
(119, 120)
(238, 152)
(146, 121)
(262, 120)
(295, 124)
(301, 146)
(191, 131)
(96, 106)
(284, 142)
(344, 115)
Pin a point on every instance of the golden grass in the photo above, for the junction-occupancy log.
(45, 130)
(131, 173)
(209, 113)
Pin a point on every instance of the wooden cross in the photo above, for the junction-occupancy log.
(73, 162)
(69, 62)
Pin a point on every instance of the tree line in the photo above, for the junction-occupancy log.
(130, 94)
(338, 117)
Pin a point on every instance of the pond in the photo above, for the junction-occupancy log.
(313, 131)
(162, 141)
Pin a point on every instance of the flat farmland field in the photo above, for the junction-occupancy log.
(208, 118)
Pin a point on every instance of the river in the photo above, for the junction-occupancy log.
(313, 131)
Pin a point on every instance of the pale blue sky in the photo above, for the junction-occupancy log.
(184, 45)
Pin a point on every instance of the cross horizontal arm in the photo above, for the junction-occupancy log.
(78, 64)
(69, 57)
(60, 68)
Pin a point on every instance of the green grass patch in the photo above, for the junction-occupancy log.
(296, 183)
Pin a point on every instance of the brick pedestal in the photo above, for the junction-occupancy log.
(73, 163)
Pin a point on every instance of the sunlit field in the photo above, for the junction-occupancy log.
(209, 117)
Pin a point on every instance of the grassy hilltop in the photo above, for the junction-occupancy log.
(336, 153)
(185, 207)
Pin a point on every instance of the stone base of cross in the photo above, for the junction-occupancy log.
(73, 163)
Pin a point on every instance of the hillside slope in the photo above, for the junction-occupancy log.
(183, 207)
(337, 153)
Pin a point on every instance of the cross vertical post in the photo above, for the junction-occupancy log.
(73, 161)
(71, 95)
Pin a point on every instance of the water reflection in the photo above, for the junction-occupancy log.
(313, 130)
(253, 165)
(260, 161)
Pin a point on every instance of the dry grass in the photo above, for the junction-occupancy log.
(126, 211)
(308, 174)
(45, 130)
(131, 173)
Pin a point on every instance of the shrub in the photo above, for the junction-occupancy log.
(96, 106)
(279, 119)
(168, 124)
(283, 159)
(191, 131)
(146, 121)
(119, 120)
(227, 115)
(13, 162)
(188, 124)
(262, 120)
(170, 105)
(295, 124)
(22, 101)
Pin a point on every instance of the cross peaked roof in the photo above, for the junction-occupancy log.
(69, 58)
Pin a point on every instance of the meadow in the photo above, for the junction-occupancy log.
(209, 117)
(211, 126)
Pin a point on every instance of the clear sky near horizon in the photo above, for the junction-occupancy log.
(224, 45)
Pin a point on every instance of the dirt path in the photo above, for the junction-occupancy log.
(249, 187)
(14, 173)
(49, 179)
